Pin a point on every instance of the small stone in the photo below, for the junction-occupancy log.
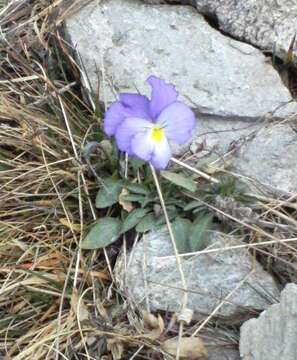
(273, 335)
(152, 279)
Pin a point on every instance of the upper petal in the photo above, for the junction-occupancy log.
(161, 155)
(137, 105)
(129, 105)
(129, 128)
(163, 94)
(179, 122)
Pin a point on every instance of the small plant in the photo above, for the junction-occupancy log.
(142, 129)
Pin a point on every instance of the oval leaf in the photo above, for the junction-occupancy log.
(138, 189)
(109, 193)
(192, 205)
(148, 222)
(181, 229)
(134, 198)
(180, 180)
(133, 219)
(103, 233)
(199, 234)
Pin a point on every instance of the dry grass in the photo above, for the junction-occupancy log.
(57, 302)
(46, 197)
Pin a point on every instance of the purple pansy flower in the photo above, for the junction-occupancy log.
(143, 127)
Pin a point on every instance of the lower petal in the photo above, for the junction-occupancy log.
(143, 146)
(129, 128)
(162, 155)
(179, 122)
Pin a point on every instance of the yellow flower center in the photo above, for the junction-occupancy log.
(157, 134)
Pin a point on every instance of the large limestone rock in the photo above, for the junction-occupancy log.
(151, 279)
(273, 335)
(231, 85)
(218, 76)
(269, 25)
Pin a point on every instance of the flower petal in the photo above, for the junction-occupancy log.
(142, 145)
(137, 105)
(179, 122)
(128, 129)
(113, 118)
(163, 94)
(161, 156)
(129, 105)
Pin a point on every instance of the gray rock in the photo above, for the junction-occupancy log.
(218, 136)
(270, 159)
(263, 156)
(214, 74)
(273, 335)
(214, 138)
(149, 278)
(223, 353)
(221, 344)
(269, 25)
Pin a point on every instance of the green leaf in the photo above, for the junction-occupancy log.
(227, 186)
(109, 194)
(199, 209)
(133, 219)
(171, 211)
(134, 198)
(148, 222)
(192, 205)
(181, 229)
(4, 167)
(136, 163)
(199, 233)
(180, 180)
(103, 233)
(138, 189)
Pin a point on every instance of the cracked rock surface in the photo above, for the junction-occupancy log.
(269, 25)
(273, 335)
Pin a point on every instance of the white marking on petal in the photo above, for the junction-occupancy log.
(161, 155)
